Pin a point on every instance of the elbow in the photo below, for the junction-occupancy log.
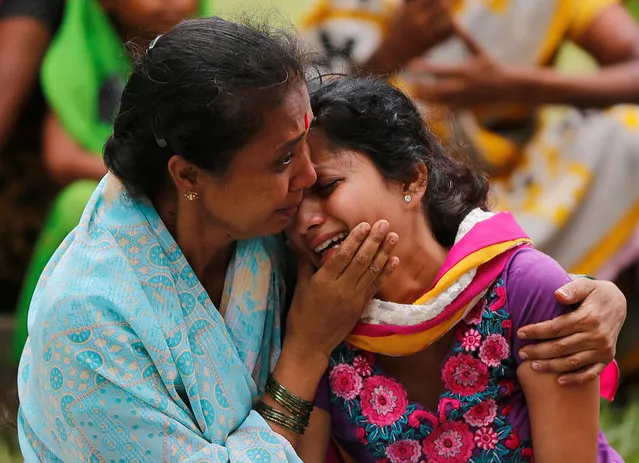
(61, 155)
(56, 167)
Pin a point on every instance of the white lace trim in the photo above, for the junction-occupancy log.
(379, 312)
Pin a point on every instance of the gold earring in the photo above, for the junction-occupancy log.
(191, 196)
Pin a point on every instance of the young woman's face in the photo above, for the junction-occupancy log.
(150, 16)
(349, 190)
(260, 193)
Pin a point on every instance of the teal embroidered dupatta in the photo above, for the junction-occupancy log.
(127, 357)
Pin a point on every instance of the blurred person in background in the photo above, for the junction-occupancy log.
(26, 29)
(569, 177)
(83, 75)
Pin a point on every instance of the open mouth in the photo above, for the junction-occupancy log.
(331, 243)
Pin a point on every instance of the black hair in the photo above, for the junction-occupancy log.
(202, 91)
(372, 117)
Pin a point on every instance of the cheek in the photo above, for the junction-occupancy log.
(266, 194)
(348, 207)
(274, 190)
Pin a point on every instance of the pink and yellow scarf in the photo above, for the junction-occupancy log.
(483, 245)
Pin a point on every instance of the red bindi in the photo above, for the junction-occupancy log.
(305, 121)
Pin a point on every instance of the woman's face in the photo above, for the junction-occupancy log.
(154, 16)
(260, 193)
(349, 190)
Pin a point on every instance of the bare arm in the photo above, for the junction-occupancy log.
(580, 343)
(64, 159)
(564, 421)
(415, 27)
(613, 40)
(23, 43)
(313, 444)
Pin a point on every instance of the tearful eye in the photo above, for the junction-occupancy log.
(286, 160)
(326, 188)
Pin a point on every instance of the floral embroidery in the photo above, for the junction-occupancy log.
(494, 350)
(482, 414)
(362, 365)
(486, 438)
(451, 442)
(471, 340)
(465, 375)
(383, 400)
(471, 423)
(345, 382)
(404, 451)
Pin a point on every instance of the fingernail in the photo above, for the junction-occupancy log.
(536, 366)
(383, 226)
(562, 292)
(395, 261)
(366, 227)
(521, 334)
(562, 382)
(392, 239)
(523, 355)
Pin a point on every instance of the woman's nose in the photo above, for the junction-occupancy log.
(309, 216)
(305, 175)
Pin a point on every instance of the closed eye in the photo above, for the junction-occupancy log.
(325, 189)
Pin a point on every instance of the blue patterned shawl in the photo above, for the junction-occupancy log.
(129, 360)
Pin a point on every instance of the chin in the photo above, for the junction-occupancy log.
(273, 228)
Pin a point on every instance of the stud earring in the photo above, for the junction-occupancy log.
(191, 195)
(408, 199)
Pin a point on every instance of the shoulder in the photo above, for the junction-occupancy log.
(83, 286)
(283, 260)
(275, 246)
(531, 279)
(583, 13)
(531, 271)
(49, 12)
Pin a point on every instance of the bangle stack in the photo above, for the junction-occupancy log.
(299, 410)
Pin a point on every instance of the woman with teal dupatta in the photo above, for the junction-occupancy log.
(154, 327)
(154, 331)
(83, 74)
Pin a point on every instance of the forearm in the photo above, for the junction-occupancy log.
(383, 62)
(64, 159)
(313, 445)
(80, 166)
(23, 42)
(299, 372)
(564, 422)
(610, 85)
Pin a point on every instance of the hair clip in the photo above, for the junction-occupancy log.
(155, 40)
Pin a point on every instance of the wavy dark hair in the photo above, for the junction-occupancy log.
(201, 90)
(372, 117)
